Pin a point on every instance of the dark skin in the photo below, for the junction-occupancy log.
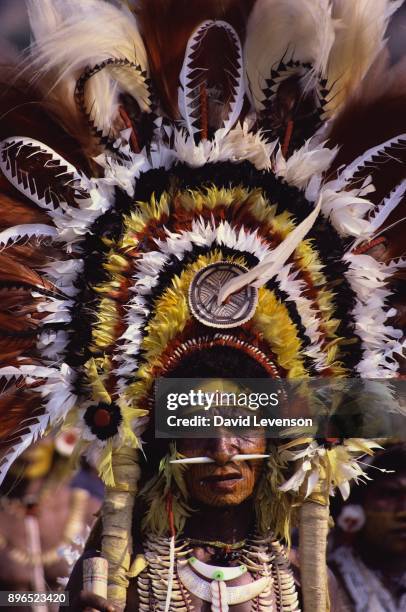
(223, 492)
(382, 541)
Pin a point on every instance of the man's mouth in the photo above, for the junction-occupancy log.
(222, 482)
(220, 477)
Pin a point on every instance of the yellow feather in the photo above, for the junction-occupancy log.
(99, 391)
(105, 465)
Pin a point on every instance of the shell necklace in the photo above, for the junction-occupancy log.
(272, 588)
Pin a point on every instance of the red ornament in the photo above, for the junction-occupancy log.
(70, 437)
(102, 417)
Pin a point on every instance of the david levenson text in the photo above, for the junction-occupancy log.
(250, 420)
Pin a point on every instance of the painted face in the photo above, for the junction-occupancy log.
(385, 510)
(224, 482)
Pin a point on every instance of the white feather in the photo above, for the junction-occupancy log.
(239, 144)
(361, 26)
(64, 274)
(70, 36)
(310, 160)
(45, 16)
(346, 211)
(283, 30)
(380, 342)
(388, 205)
(52, 344)
(26, 231)
(384, 149)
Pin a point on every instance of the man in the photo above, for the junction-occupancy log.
(220, 532)
(370, 551)
(43, 520)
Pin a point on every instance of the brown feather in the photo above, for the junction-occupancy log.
(33, 254)
(166, 26)
(12, 298)
(18, 407)
(376, 114)
(15, 209)
(15, 325)
(12, 348)
(13, 272)
(18, 315)
(23, 112)
(16, 403)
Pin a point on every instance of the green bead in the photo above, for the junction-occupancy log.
(192, 560)
(218, 575)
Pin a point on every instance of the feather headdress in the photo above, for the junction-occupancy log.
(214, 162)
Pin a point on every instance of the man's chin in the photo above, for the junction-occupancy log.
(224, 500)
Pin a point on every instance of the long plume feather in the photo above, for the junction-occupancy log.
(69, 37)
(361, 27)
(227, 80)
(283, 30)
(20, 232)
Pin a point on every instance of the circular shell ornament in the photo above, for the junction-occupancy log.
(203, 297)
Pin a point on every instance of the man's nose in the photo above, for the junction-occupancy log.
(222, 450)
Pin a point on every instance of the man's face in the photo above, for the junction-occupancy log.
(224, 482)
(385, 510)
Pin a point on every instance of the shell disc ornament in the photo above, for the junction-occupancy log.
(203, 293)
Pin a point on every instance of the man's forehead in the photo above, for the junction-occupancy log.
(393, 481)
